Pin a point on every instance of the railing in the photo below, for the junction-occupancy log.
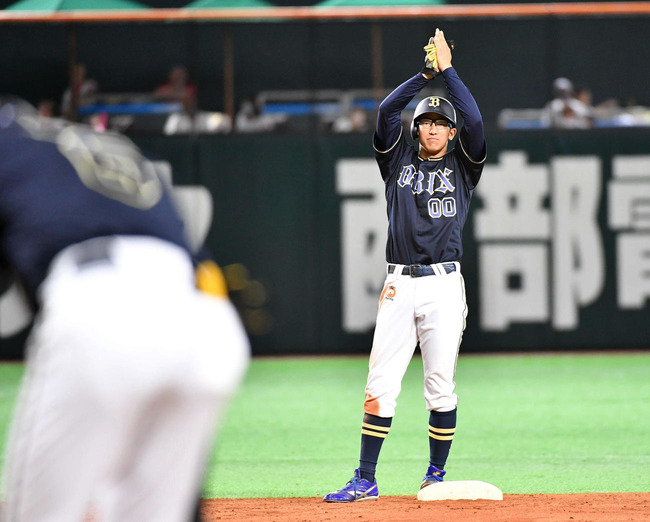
(267, 14)
(531, 119)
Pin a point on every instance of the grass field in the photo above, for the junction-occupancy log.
(526, 423)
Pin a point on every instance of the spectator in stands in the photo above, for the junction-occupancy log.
(565, 110)
(584, 95)
(85, 90)
(356, 121)
(46, 113)
(46, 109)
(99, 121)
(250, 118)
(178, 89)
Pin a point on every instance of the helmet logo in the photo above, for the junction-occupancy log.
(434, 102)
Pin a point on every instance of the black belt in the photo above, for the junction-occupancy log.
(422, 270)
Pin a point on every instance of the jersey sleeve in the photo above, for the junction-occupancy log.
(471, 141)
(389, 141)
(389, 117)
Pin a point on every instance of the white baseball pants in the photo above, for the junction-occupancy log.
(430, 309)
(128, 371)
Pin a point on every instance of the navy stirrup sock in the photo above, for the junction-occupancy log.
(442, 426)
(373, 432)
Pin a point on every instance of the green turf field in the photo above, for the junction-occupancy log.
(526, 423)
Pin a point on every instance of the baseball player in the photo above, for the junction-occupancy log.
(129, 365)
(428, 191)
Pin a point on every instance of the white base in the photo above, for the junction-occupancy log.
(460, 490)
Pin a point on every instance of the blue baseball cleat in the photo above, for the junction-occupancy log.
(433, 476)
(356, 489)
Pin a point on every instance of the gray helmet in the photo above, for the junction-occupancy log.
(433, 105)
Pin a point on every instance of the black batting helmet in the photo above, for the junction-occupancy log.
(433, 105)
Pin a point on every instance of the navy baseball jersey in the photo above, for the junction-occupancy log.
(60, 186)
(427, 200)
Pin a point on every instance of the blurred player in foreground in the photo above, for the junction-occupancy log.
(428, 191)
(129, 366)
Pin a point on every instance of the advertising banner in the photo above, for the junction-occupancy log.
(556, 244)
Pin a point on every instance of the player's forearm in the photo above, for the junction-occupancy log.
(467, 107)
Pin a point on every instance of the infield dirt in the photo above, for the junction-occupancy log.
(612, 507)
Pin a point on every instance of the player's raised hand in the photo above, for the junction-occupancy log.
(443, 51)
(430, 69)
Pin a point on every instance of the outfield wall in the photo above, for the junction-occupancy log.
(557, 240)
